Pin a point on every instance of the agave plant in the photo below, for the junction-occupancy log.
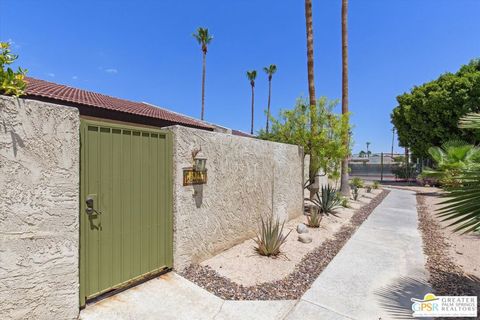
(327, 200)
(313, 220)
(463, 204)
(270, 236)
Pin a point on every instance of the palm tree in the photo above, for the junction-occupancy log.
(463, 204)
(368, 152)
(311, 92)
(270, 70)
(344, 186)
(204, 39)
(451, 159)
(252, 75)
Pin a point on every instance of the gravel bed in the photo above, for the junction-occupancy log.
(296, 283)
(446, 278)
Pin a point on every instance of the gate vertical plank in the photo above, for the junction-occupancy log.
(163, 220)
(145, 214)
(116, 206)
(136, 202)
(154, 198)
(105, 199)
(92, 182)
(127, 208)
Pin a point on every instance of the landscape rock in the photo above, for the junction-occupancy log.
(305, 238)
(302, 228)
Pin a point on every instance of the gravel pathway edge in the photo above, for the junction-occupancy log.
(446, 278)
(294, 285)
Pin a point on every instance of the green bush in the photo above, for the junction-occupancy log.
(376, 185)
(356, 182)
(270, 236)
(11, 82)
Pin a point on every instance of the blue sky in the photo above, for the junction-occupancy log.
(144, 51)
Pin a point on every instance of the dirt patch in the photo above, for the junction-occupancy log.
(452, 258)
(293, 285)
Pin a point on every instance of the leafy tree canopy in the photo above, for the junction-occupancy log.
(428, 115)
(327, 147)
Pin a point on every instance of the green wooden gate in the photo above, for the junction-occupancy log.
(126, 206)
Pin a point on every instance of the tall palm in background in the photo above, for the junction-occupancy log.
(204, 39)
(270, 70)
(314, 161)
(344, 186)
(368, 151)
(252, 75)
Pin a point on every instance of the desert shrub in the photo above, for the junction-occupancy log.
(354, 192)
(344, 202)
(356, 182)
(270, 236)
(376, 185)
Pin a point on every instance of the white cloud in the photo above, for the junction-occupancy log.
(74, 77)
(13, 44)
(111, 70)
(51, 74)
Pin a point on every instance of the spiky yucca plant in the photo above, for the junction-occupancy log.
(270, 236)
(313, 220)
(327, 200)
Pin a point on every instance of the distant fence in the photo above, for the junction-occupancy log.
(380, 166)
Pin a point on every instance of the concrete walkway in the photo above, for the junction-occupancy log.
(373, 277)
(377, 271)
(171, 297)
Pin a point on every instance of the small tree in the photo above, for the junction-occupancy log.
(11, 82)
(326, 146)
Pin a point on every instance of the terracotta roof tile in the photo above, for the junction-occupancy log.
(45, 89)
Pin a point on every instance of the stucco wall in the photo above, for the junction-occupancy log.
(246, 178)
(39, 152)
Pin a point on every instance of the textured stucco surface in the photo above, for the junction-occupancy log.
(246, 178)
(39, 176)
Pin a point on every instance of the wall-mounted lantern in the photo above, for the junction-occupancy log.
(199, 161)
(197, 174)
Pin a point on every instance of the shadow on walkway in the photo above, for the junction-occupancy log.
(395, 297)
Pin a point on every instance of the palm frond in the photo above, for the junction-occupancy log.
(470, 121)
(463, 203)
(252, 75)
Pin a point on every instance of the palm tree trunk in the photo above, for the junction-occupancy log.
(311, 91)
(344, 184)
(203, 83)
(268, 106)
(253, 108)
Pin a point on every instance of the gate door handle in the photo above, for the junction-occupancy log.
(90, 202)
